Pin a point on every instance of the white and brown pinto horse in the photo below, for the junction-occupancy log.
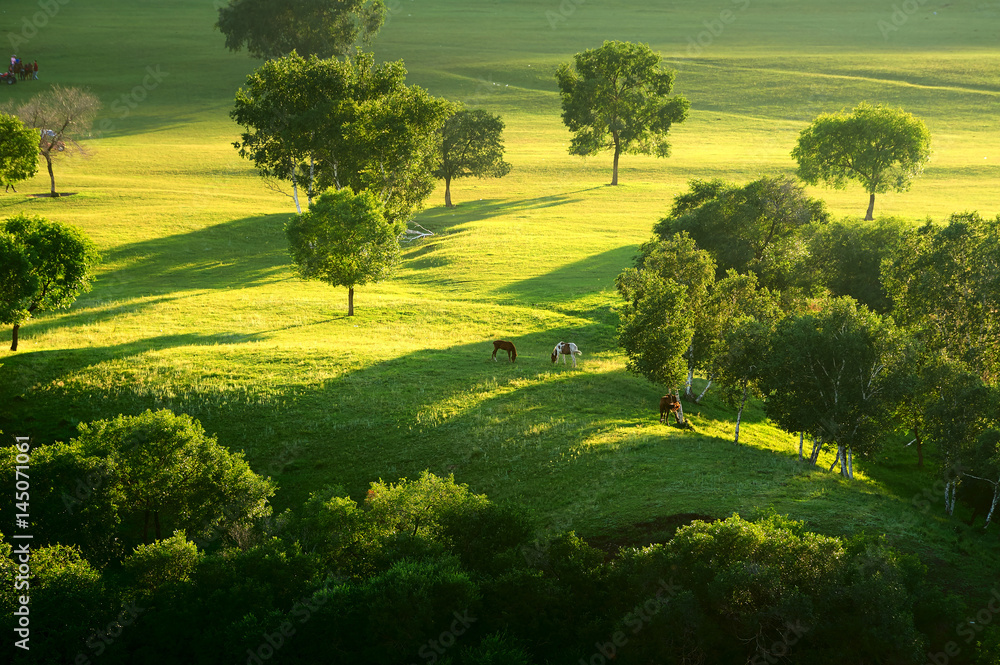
(564, 349)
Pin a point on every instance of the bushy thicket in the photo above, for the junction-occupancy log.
(425, 571)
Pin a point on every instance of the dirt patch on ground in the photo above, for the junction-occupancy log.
(48, 195)
(657, 530)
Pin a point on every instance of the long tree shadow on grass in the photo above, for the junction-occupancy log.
(38, 397)
(573, 281)
(234, 254)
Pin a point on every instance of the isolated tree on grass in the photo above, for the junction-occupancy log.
(471, 145)
(321, 124)
(62, 117)
(618, 98)
(882, 148)
(18, 151)
(344, 240)
(45, 266)
(324, 28)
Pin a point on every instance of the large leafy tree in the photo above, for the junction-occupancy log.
(749, 228)
(617, 97)
(836, 374)
(881, 147)
(45, 266)
(846, 257)
(18, 151)
(172, 475)
(664, 296)
(324, 28)
(62, 116)
(344, 240)
(471, 145)
(321, 124)
(944, 281)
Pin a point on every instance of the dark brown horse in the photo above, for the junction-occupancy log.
(504, 345)
(669, 404)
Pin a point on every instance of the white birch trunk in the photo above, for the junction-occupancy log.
(817, 446)
(850, 464)
(949, 494)
(801, 437)
(707, 386)
(835, 459)
(993, 506)
(739, 414)
(295, 196)
(687, 386)
(680, 411)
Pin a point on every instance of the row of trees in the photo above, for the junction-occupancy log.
(849, 331)
(145, 526)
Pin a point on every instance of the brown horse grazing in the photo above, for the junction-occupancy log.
(669, 404)
(504, 345)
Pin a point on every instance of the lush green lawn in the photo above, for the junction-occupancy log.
(196, 308)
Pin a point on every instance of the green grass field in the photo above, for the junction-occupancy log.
(196, 307)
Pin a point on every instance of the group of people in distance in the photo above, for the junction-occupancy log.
(23, 70)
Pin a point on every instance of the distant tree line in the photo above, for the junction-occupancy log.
(153, 543)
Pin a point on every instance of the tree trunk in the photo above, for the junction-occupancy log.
(688, 393)
(350, 301)
(739, 414)
(835, 459)
(871, 208)
(850, 464)
(817, 446)
(949, 493)
(52, 177)
(920, 447)
(447, 193)
(707, 386)
(801, 437)
(13, 338)
(993, 506)
(618, 152)
(295, 196)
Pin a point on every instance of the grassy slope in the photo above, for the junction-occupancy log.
(196, 308)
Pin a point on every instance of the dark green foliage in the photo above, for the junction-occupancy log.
(846, 257)
(618, 98)
(945, 284)
(751, 228)
(126, 480)
(324, 28)
(836, 374)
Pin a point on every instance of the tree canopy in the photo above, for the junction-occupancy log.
(45, 266)
(944, 282)
(275, 28)
(344, 240)
(471, 145)
(351, 123)
(18, 151)
(753, 227)
(617, 97)
(881, 147)
(835, 374)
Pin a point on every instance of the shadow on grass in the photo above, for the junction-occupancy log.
(234, 254)
(440, 219)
